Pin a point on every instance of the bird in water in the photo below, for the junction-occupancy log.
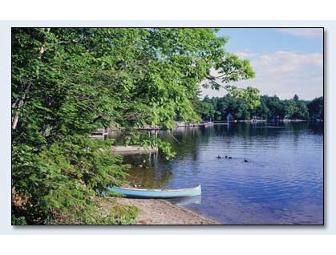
(245, 160)
(218, 157)
(226, 156)
(229, 157)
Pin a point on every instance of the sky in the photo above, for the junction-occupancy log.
(287, 61)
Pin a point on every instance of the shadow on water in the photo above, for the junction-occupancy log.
(145, 172)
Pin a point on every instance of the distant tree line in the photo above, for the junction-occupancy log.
(270, 108)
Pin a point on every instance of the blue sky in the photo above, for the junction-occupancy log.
(287, 61)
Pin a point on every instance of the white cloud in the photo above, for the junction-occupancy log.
(283, 63)
(284, 73)
(245, 54)
(303, 32)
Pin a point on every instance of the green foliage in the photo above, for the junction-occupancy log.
(206, 110)
(18, 220)
(274, 108)
(64, 79)
(316, 109)
(230, 68)
(249, 104)
(63, 180)
(120, 215)
(296, 109)
(249, 97)
(239, 102)
(235, 69)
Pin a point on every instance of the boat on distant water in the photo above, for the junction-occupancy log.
(157, 193)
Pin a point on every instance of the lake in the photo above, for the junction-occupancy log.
(275, 175)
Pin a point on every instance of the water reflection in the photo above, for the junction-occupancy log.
(281, 182)
(186, 200)
(145, 172)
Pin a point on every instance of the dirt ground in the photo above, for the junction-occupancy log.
(161, 212)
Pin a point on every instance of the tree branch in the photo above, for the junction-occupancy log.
(20, 103)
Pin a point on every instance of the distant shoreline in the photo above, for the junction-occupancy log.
(217, 122)
(267, 121)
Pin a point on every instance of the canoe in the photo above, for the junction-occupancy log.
(157, 193)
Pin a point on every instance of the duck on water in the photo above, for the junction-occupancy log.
(229, 157)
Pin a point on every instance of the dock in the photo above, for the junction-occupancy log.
(180, 124)
(133, 149)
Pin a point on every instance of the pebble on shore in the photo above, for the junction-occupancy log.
(161, 212)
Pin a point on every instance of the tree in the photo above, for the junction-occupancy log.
(57, 171)
(206, 110)
(269, 108)
(64, 78)
(296, 109)
(276, 107)
(263, 111)
(316, 109)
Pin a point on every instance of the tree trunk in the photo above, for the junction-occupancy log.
(18, 104)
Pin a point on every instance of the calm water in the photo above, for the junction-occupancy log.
(282, 182)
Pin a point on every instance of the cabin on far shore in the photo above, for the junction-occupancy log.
(102, 129)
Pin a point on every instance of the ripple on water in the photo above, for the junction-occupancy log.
(282, 182)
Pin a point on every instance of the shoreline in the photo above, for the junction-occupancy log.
(162, 212)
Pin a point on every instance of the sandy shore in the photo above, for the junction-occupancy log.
(161, 212)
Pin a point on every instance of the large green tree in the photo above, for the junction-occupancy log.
(63, 79)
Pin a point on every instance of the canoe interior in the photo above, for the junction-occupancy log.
(157, 193)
